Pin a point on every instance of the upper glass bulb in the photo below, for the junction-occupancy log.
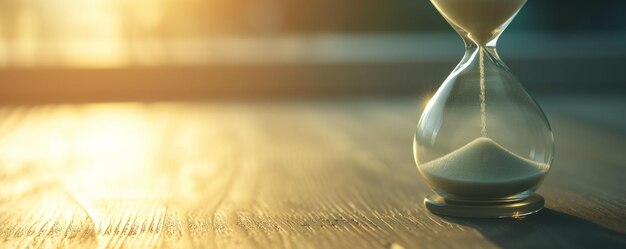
(482, 137)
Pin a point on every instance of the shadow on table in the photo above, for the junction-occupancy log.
(545, 229)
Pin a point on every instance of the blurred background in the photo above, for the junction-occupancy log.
(124, 50)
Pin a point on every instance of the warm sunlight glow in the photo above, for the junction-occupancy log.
(123, 33)
(104, 145)
(50, 32)
(84, 166)
(425, 99)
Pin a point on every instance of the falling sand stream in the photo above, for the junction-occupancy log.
(483, 116)
(481, 19)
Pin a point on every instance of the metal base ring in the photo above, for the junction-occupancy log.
(439, 205)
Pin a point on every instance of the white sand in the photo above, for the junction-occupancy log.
(483, 169)
(478, 17)
(483, 95)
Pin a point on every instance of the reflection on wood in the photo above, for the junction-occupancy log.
(269, 175)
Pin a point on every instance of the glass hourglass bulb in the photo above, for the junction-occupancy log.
(482, 140)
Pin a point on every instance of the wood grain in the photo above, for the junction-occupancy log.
(289, 174)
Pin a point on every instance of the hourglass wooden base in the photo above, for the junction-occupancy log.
(439, 205)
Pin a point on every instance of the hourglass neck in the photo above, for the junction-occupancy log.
(472, 50)
(471, 44)
(490, 47)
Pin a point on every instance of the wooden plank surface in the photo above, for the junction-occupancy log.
(316, 174)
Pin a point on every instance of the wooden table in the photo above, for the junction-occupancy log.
(283, 174)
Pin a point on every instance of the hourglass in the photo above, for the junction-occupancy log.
(482, 143)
